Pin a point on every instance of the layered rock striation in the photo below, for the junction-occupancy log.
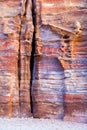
(43, 59)
(60, 73)
(16, 31)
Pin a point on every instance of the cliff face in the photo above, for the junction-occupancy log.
(16, 31)
(59, 84)
(48, 36)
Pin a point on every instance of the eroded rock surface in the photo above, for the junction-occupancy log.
(48, 36)
(59, 85)
(16, 30)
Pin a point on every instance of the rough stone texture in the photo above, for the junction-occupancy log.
(16, 31)
(60, 73)
(59, 78)
(26, 36)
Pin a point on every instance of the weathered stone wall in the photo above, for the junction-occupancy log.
(48, 36)
(59, 85)
(16, 30)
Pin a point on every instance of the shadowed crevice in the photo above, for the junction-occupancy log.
(33, 50)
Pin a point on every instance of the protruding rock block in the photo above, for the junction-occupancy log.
(60, 61)
(26, 35)
(48, 88)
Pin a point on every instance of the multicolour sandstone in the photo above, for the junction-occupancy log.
(59, 84)
(16, 30)
(43, 59)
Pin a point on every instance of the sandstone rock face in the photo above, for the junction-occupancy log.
(48, 36)
(60, 73)
(16, 31)
(26, 35)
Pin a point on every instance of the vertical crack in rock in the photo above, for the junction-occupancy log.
(19, 74)
(43, 59)
(19, 61)
(32, 64)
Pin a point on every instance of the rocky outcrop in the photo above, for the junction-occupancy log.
(59, 84)
(16, 30)
(43, 59)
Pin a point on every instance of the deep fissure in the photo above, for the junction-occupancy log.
(33, 52)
